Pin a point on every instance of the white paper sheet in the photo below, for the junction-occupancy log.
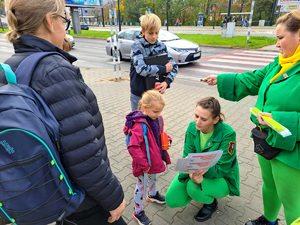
(196, 161)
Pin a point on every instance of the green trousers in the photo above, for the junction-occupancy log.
(180, 194)
(281, 185)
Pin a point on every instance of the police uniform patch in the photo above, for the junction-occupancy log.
(231, 147)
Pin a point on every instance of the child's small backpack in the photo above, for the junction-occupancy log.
(34, 187)
(145, 131)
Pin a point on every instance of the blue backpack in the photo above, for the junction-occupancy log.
(34, 187)
(145, 131)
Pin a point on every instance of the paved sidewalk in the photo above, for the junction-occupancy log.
(113, 99)
(181, 98)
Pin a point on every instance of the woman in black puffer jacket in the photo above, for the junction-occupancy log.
(38, 26)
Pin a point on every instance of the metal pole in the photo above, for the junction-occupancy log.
(278, 15)
(119, 14)
(102, 17)
(229, 8)
(117, 38)
(167, 15)
(153, 8)
(214, 20)
(250, 21)
(273, 11)
(112, 39)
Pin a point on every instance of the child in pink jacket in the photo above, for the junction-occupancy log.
(150, 107)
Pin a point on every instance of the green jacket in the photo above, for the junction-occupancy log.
(224, 139)
(281, 98)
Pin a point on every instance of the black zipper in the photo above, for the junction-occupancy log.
(22, 163)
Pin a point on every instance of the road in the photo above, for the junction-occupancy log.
(91, 53)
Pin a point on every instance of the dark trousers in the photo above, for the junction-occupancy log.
(94, 216)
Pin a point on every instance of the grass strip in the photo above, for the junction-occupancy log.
(201, 39)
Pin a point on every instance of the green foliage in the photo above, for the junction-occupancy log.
(187, 10)
(133, 10)
(263, 10)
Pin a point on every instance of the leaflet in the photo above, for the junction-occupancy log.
(280, 129)
(196, 161)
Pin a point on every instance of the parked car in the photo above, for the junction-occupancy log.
(71, 39)
(84, 26)
(182, 51)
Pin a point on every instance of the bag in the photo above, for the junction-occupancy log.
(145, 131)
(261, 147)
(160, 59)
(35, 189)
(164, 141)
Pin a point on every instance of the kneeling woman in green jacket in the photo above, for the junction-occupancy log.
(206, 134)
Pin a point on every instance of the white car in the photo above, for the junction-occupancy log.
(182, 51)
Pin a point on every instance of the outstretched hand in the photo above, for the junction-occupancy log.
(210, 80)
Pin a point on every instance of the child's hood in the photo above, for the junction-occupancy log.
(131, 118)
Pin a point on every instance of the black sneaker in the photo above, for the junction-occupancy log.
(141, 218)
(158, 198)
(260, 221)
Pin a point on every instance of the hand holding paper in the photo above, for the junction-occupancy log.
(283, 131)
(196, 161)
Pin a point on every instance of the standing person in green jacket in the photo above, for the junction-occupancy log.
(278, 89)
(206, 134)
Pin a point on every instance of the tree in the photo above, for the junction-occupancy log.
(1, 7)
(263, 9)
(133, 9)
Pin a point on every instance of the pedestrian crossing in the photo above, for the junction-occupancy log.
(236, 61)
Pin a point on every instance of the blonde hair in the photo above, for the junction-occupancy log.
(291, 21)
(149, 97)
(67, 45)
(150, 22)
(26, 16)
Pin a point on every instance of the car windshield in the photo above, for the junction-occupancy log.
(167, 36)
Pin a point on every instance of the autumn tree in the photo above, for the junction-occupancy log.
(263, 9)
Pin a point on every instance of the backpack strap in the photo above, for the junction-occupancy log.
(161, 123)
(28, 65)
(145, 131)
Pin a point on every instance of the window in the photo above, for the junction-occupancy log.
(121, 35)
(129, 35)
